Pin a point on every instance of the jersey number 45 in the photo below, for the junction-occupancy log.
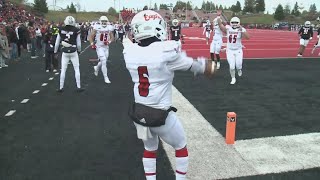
(104, 37)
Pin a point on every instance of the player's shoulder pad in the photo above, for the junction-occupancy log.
(170, 46)
(96, 26)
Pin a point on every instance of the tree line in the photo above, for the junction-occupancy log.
(282, 13)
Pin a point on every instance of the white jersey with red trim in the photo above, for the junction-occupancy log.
(234, 37)
(152, 71)
(217, 33)
(102, 34)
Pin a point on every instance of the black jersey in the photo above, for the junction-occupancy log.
(175, 32)
(69, 34)
(319, 32)
(208, 28)
(306, 32)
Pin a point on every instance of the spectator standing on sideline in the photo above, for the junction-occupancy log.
(32, 37)
(13, 40)
(127, 29)
(38, 38)
(4, 47)
(120, 32)
(50, 59)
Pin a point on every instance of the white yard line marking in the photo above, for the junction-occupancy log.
(210, 157)
(50, 79)
(281, 153)
(10, 113)
(36, 92)
(24, 101)
(44, 84)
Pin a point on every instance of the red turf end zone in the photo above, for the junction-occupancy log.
(262, 44)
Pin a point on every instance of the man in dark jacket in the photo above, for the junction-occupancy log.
(49, 40)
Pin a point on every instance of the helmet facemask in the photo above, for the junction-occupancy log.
(175, 22)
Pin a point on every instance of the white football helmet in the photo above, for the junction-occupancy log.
(147, 24)
(175, 22)
(208, 22)
(104, 20)
(70, 21)
(307, 24)
(235, 22)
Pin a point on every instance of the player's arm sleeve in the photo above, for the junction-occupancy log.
(56, 46)
(79, 42)
(179, 61)
(300, 31)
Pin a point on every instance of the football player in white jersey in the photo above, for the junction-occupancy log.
(103, 34)
(207, 30)
(317, 45)
(216, 43)
(152, 63)
(235, 33)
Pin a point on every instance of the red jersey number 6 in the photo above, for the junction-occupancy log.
(143, 81)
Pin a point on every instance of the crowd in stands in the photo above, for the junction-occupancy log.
(20, 30)
(127, 15)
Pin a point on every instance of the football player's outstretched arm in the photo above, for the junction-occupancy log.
(92, 35)
(111, 37)
(222, 27)
(79, 42)
(56, 46)
(244, 33)
(180, 61)
(300, 31)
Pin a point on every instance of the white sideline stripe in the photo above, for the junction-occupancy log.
(10, 113)
(247, 49)
(24, 101)
(36, 91)
(50, 79)
(210, 157)
(84, 49)
(281, 153)
(44, 84)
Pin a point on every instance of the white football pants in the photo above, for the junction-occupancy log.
(103, 54)
(74, 58)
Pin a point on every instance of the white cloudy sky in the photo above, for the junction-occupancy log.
(103, 5)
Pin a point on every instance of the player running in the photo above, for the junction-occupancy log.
(306, 34)
(235, 32)
(103, 34)
(207, 31)
(216, 43)
(317, 45)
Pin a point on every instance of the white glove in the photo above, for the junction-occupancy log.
(310, 38)
(318, 36)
